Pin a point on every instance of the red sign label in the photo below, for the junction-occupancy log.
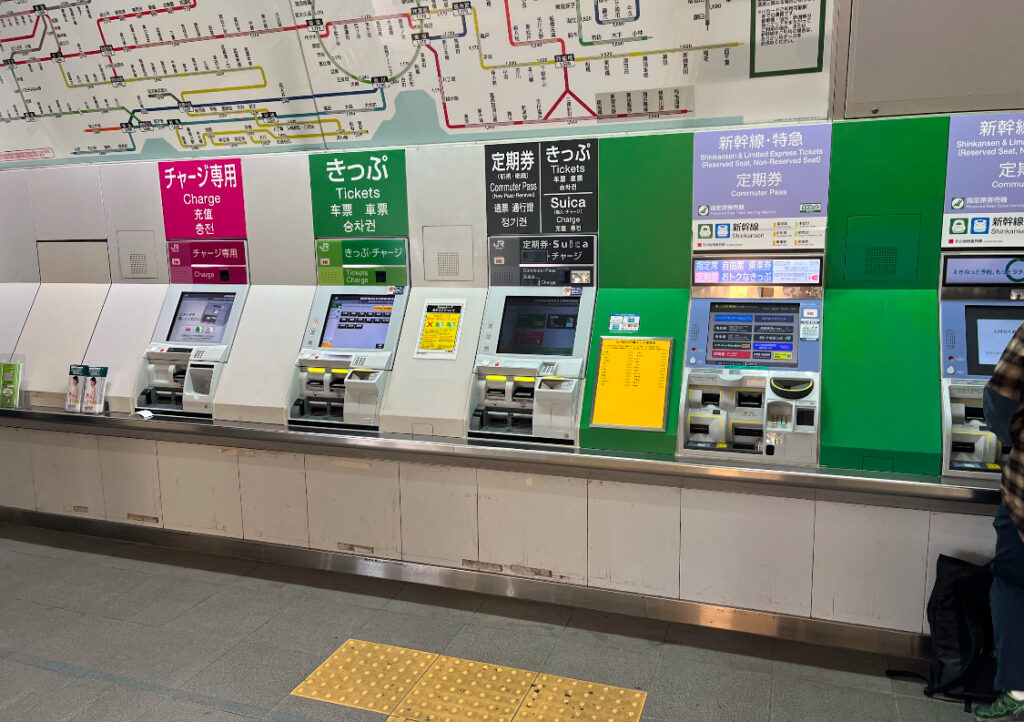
(207, 262)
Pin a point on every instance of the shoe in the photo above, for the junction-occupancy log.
(1004, 708)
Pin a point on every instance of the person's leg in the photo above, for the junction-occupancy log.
(1007, 602)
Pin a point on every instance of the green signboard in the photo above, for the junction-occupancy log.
(359, 194)
(362, 262)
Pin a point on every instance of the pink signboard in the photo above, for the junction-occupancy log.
(202, 199)
(207, 262)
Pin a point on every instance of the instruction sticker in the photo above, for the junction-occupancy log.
(440, 330)
(624, 322)
(633, 377)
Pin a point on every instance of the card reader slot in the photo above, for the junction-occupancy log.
(744, 446)
(523, 392)
(178, 376)
(496, 393)
(315, 384)
(338, 384)
(710, 398)
(963, 447)
(749, 399)
(747, 432)
(974, 413)
(700, 429)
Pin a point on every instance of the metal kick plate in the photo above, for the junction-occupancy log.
(374, 677)
(557, 699)
(459, 690)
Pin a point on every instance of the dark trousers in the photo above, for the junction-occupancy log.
(1007, 600)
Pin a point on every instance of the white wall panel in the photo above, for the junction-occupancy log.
(68, 203)
(16, 301)
(439, 514)
(354, 505)
(747, 551)
(534, 525)
(199, 488)
(131, 481)
(133, 213)
(66, 472)
(869, 565)
(633, 538)
(17, 488)
(18, 260)
(279, 219)
(273, 487)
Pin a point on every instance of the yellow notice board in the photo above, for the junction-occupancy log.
(440, 330)
(633, 376)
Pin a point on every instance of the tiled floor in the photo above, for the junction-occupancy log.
(97, 630)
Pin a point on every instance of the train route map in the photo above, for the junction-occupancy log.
(88, 79)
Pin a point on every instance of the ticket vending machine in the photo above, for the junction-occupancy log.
(182, 366)
(981, 307)
(347, 354)
(751, 384)
(531, 363)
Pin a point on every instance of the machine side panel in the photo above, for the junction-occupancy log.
(257, 378)
(57, 335)
(124, 329)
(430, 397)
(662, 313)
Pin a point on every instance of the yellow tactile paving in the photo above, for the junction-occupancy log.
(374, 677)
(557, 699)
(459, 690)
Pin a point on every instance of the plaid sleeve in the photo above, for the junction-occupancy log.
(1008, 379)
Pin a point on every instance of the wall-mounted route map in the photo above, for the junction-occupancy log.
(83, 79)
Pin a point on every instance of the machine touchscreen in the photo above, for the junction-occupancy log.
(753, 334)
(539, 325)
(357, 322)
(989, 329)
(201, 317)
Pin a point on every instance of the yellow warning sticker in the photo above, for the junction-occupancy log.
(440, 330)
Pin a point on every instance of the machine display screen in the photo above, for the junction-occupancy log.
(357, 322)
(984, 271)
(201, 317)
(539, 325)
(753, 334)
(989, 329)
(757, 272)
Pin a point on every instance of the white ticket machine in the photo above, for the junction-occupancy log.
(982, 306)
(347, 355)
(531, 363)
(751, 384)
(183, 363)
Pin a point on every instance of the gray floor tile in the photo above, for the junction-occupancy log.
(908, 687)
(518, 614)
(86, 642)
(929, 710)
(172, 710)
(436, 602)
(300, 709)
(632, 669)
(312, 623)
(501, 647)
(616, 630)
(709, 693)
(845, 668)
(234, 611)
(159, 599)
(800, 700)
(87, 700)
(254, 674)
(165, 657)
(88, 588)
(35, 577)
(23, 687)
(407, 630)
(686, 643)
(23, 623)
